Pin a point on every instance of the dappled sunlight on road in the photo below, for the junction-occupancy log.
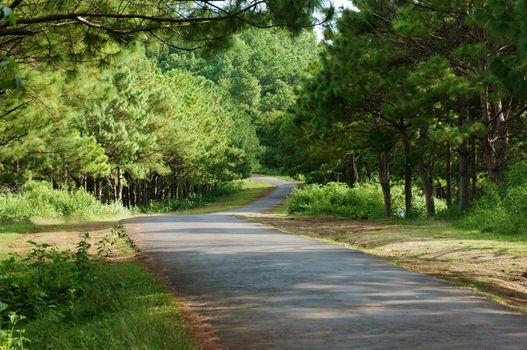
(261, 289)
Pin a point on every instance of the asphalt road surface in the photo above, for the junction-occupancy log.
(263, 289)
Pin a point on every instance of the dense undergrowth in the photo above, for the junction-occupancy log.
(500, 209)
(363, 201)
(71, 299)
(39, 199)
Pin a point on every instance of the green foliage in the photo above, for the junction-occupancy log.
(11, 338)
(173, 204)
(74, 300)
(363, 201)
(49, 281)
(259, 72)
(501, 209)
(39, 199)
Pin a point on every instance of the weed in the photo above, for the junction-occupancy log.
(11, 338)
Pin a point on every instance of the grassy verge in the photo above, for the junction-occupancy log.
(491, 263)
(121, 306)
(252, 190)
(141, 314)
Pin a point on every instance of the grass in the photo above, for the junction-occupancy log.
(280, 209)
(252, 190)
(492, 263)
(141, 313)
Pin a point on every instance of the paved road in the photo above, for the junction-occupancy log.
(263, 289)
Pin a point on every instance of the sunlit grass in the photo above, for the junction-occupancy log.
(280, 209)
(252, 190)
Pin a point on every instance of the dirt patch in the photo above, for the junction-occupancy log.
(67, 236)
(496, 268)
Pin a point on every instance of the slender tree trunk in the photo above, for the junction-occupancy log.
(407, 171)
(119, 186)
(502, 140)
(424, 173)
(384, 179)
(354, 168)
(64, 175)
(496, 139)
(99, 189)
(449, 175)
(473, 168)
(94, 185)
(146, 197)
(134, 192)
(464, 157)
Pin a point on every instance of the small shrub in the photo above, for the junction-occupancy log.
(225, 188)
(55, 284)
(173, 204)
(196, 201)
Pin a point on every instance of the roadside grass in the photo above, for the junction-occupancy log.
(128, 307)
(139, 312)
(252, 190)
(492, 263)
(280, 209)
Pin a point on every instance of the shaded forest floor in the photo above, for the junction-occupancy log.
(493, 264)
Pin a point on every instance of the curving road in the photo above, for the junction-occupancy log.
(262, 289)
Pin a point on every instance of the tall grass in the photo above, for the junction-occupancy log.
(39, 199)
(363, 201)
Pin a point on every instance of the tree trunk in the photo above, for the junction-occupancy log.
(473, 168)
(119, 186)
(384, 179)
(99, 189)
(424, 173)
(464, 157)
(64, 176)
(146, 197)
(495, 141)
(407, 171)
(449, 175)
(502, 140)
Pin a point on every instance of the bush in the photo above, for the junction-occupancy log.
(225, 188)
(501, 209)
(39, 199)
(48, 282)
(173, 204)
(363, 201)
